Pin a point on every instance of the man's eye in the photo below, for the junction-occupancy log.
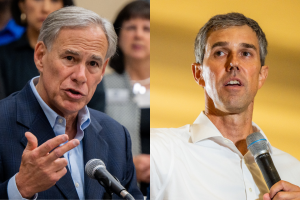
(93, 63)
(220, 53)
(70, 58)
(246, 54)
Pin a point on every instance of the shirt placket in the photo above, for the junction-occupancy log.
(249, 187)
(74, 169)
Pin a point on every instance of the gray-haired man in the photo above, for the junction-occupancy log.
(209, 159)
(71, 55)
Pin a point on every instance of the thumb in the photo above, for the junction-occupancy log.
(267, 196)
(32, 141)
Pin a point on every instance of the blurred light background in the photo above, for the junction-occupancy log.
(177, 100)
(105, 8)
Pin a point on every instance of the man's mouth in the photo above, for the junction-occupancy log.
(74, 91)
(233, 83)
(74, 94)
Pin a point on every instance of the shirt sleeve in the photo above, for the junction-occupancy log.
(13, 192)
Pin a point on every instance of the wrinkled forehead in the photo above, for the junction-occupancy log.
(244, 32)
(89, 38)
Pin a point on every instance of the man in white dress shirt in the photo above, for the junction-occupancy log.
(209, 159)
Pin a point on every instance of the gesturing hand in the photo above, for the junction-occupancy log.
(283, 190)
(40, 169)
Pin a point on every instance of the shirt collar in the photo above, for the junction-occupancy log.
(203, 128)
(84, 119)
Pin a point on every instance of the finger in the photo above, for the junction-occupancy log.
(62, 172)
(51, 144)
(60, 151)
(58, 164)
(266, 196)
(283, 186)
(57, 175)
(32, 141)
(287, 195)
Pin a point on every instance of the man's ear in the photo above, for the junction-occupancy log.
(39, 53)
(197, 73)
(263, 74)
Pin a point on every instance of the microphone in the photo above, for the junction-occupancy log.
(95, 169)
(257, 145)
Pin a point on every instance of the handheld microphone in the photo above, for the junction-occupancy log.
(95, 169)
(257, 145)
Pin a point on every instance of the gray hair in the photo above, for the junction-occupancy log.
(76, 17)
(226, 21)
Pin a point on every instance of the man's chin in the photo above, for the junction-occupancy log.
(235, 108)
(70, 107)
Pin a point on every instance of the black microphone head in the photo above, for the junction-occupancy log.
(92, 165)
(257, 144)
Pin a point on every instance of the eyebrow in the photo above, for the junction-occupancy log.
(219, 44)
(245, 45)
(97, 58)
(248, 46)
(69, 51)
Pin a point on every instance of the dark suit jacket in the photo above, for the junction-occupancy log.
(104, 139)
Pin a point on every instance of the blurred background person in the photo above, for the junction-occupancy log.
(128, 86)
(9, 30)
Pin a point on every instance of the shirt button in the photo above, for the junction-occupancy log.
(250, 189)
(60, 121)
(77, 185)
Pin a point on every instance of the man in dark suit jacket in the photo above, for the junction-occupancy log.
(71, 56)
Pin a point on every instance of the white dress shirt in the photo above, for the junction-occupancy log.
(197, 162)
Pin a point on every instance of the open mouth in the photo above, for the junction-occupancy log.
(233, 83)
(74, 94)
(73, 91)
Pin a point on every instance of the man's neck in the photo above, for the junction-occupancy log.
(235, 127)
(71, 119)
(71, 126)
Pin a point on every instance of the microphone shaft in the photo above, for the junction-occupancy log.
(108, 180)
(267, 168)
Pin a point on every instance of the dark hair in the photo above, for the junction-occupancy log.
(226, 21)
(16, 12)
(135, 9)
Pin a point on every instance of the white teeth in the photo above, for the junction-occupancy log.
(233, 82)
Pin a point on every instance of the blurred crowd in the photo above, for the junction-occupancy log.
(124, 93)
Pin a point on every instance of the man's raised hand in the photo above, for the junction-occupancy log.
(41, 167)
(283, 190)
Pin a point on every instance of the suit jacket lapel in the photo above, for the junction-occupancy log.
(31, 115)
(95, 147)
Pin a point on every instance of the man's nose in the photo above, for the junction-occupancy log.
(79, 74)
(232, 63)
